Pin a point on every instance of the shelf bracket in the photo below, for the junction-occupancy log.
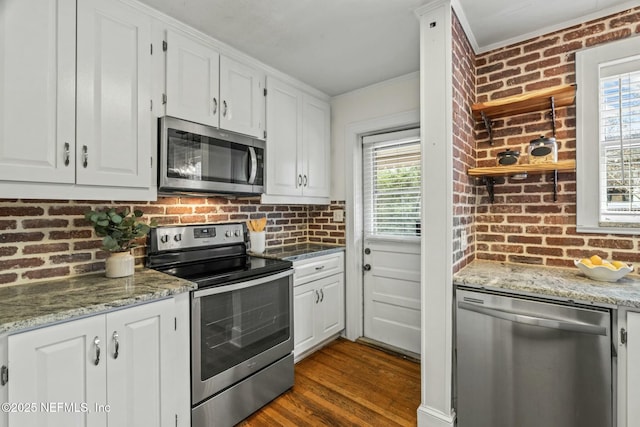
(553, 115)
(487, 124)
(554, 178)
(490, 181)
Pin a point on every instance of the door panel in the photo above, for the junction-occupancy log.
(392, 293)
(316, 147)
(304, 302)
(37, 90)
(114, 93)
(241, 92)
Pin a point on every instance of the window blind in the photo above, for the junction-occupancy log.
(620, 143)
(392, 184)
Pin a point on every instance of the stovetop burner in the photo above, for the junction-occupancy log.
(209, 255)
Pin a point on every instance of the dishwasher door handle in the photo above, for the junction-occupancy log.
(527, 319)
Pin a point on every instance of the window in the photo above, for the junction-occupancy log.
(391, 184)
(608, 138)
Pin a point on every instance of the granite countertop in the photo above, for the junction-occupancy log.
(551, 282)
(300, 251)
(31, 305)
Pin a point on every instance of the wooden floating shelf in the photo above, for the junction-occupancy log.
(531, 101)
(536, 168)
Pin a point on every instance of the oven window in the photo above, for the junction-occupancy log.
(201, 158)
(238, 325)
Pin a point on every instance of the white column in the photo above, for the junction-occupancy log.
(437, 213)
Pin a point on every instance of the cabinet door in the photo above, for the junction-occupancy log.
(37, 90)
(305, 299)
(4, 389)
(139, 341)
(283, 133)
(633, 369)
(242, 97)
(114, 93)
(192, 80)
(316, 147)
(331, 306)
(55, 366)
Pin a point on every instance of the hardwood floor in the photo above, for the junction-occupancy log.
(347, 384)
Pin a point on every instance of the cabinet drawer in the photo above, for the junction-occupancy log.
(317, 268)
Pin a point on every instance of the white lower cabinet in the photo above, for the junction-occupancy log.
(113, 369)
(632, 371)
(318, 302)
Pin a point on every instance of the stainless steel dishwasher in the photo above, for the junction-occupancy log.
(528, 363)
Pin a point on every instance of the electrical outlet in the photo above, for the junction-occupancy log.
(464, 244)
(338, 215)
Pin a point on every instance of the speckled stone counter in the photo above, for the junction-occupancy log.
(300, 251)
(555, 283)
(37, 304)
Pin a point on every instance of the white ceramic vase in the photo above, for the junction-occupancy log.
(257, 239)
(119, 264)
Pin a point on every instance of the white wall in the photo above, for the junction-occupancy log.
(382, 99)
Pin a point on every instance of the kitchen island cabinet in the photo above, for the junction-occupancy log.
(105, 370)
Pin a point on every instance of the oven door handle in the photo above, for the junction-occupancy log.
(242, 285)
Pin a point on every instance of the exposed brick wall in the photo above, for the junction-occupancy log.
(45, 239)
(524, 224)
(464, 152)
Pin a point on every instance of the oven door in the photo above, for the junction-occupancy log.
(238, 329)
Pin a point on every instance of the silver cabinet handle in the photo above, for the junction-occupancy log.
(253, 166)
(299, 180)
(215, 106)
(116, 344)
(305, 180)
(320, 267)
(85, 156)
(224, 111)
(321, 295)
(317, 296)
(67, 153)
(96, 343)
(527, 319)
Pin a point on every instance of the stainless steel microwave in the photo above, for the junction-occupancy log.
(199, 159)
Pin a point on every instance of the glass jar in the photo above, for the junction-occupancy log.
(543, 150)
(508, 157)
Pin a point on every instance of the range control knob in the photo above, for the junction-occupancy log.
(229, 233)
(177, 237)
(238, 233)
(164, 238)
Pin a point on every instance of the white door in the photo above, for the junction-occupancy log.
(139, 369)
(391, 199)
(114, 95)
(242, 97)
(37, 90)
(192, 80)
(316, 147)
(284, 131)
(63, 363)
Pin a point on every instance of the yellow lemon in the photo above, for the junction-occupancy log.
(596, 260)
(587, 262)
(609, 265)
(618, 264)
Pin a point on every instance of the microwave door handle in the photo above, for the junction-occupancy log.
(253, 165)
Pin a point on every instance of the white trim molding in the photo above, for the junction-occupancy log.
(354, 229)
(436, 118)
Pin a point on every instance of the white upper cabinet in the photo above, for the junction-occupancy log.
(192, 80)
(114, 92)
(242, 96)
(298, 146)
(205, 87)
(37, 90)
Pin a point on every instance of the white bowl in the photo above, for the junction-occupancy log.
(603, 274)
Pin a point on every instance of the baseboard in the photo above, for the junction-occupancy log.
(428, 417)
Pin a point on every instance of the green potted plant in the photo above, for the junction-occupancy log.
(119, 231)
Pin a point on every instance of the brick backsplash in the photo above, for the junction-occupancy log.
(524, 224)
(45, 239)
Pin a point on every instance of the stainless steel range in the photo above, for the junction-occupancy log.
(241, 319)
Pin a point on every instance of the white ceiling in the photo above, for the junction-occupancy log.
(337, 46)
